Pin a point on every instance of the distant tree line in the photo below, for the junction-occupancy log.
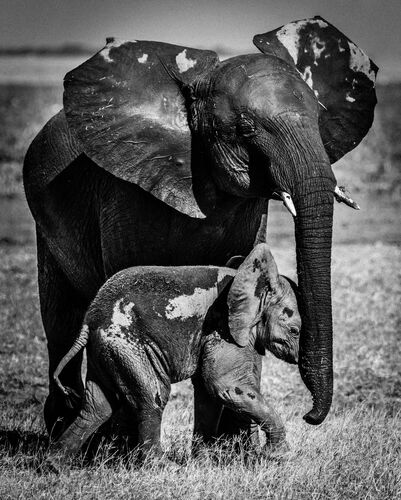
(60, 50)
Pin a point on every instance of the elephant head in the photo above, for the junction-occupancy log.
(192, 130)
(259, 297)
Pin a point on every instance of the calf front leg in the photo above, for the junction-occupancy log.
(207, 415)
(246, 400)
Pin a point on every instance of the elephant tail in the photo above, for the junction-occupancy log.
(77, 346)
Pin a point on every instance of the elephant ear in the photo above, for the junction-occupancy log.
(125, 106)
(257, 275)
(339, 73)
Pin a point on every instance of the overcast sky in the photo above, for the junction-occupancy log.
(374, 25)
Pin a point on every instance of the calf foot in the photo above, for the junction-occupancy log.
(277, 451)
(51, 465)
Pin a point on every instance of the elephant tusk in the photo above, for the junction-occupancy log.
(341, 197)
(287, 200)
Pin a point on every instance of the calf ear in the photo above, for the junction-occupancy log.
(126, 106)
(235, 261)
(256, 275)
(339, 73)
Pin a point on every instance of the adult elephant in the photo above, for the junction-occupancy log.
(165, 155)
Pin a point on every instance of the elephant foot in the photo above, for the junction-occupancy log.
(59, 413)
(278, 452)
(51, 465)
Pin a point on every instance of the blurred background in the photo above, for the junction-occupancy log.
(40, 40)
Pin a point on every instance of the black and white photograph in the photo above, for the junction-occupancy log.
(200, 249)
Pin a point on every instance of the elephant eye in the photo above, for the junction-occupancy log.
(246, 126)
(294, 331)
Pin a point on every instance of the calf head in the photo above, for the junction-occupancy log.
(260, 298)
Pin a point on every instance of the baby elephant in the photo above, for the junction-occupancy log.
(150, 326)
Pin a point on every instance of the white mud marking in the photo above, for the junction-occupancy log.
(307, 76)
(105, 53)
(143, 58)
(318, 46)
(188, 306)
(359, 61)
(349, 98)
(289, 36)
(120, 318)
(184, 63)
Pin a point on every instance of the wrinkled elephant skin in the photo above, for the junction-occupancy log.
(150, 326)
(163, 155)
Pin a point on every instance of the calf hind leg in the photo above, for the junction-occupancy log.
(95, 410)
(146, 396)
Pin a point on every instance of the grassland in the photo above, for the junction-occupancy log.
(355, 453)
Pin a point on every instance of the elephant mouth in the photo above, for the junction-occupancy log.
(284, 350)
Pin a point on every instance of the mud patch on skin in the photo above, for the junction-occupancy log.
(360, 62)
(188, 306)
(105, 53)
(237, 390)
(184, 63)
(251, 395)
(288, 36)
(318, 46)
(143, 58)
(121, 317)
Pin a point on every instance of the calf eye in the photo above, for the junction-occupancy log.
(289, 312)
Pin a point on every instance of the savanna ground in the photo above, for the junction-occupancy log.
(355, 453)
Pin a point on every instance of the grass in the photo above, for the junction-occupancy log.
(353, 457)
(355, 453)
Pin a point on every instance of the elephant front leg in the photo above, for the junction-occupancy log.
(207, 415)
(235, 424)
(149, 429)
(246, 400)
(62, 315)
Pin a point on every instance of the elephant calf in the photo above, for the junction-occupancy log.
(149, 327)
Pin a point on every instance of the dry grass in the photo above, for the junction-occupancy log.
(356, 453)
(355, 456)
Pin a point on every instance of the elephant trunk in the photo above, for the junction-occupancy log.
(313, 234)
(300, 166)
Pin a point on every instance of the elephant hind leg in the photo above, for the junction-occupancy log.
(146, 410)
(146, 393)
(62, 315)
(96, 410)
